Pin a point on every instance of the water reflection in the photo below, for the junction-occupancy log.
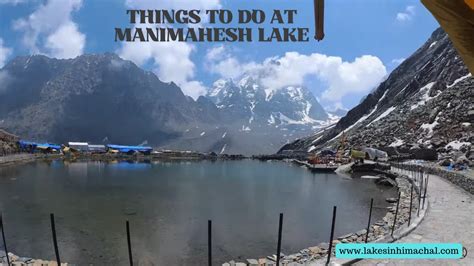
(168, 205)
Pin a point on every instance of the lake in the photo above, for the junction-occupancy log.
(168, 205)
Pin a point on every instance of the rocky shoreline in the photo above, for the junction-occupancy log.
(379, 230)
(23, 261)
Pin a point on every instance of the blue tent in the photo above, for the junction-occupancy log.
(127, 149)
(33, 146)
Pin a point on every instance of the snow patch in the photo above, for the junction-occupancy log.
(245, 128)
(318, 138)
(203, 133)
(431, 126)
(225, 134)
(456, 145)
(362, 119)
(271, 120)
(223, 148)
(384, 114)
(459, 80)
(433, 44)
(396, 143)
(425, 97)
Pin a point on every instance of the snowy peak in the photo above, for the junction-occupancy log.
(247, 99)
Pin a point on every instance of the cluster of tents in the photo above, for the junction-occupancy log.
(80, 147)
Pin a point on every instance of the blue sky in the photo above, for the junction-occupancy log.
(365, 40)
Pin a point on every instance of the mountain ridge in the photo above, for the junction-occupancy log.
(431, 84)
(96, 97)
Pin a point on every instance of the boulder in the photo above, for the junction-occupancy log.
(386, 182)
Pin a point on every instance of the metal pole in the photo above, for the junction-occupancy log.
(411, 203)
(209, 242)
(332, 234)
(4, 241)
(424, 194)
(396, 213)
(421, 188)
(370, 217)
(129, 243)
(55, 240)
(280, 229)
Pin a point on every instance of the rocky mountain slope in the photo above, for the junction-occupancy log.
(426, 102)
(93, 97)
(7, 143)
(102, 98)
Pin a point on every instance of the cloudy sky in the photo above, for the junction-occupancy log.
(365, 40)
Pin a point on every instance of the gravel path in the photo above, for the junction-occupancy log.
(450, 218)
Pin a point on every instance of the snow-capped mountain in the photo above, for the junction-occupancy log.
(256, 120)
(426, 102)
(247, 101)
(103, 97)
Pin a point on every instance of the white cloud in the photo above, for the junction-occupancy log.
(335, 107)
(66, 42)
(50, 29)
(171, 60)
(398, 61)
(193, 89)
(219, 60)
(406, 15)
(5, 52)
(173, 4)
(341, 77)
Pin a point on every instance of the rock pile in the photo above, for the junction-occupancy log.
(23, 261)
(7, 143)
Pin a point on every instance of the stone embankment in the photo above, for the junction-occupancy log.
(448, 220)
(380, 231)
(22, 261)
(21, 158)
(463, 179)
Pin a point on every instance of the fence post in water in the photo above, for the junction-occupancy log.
(280, 229)
(209, 242)
(55, 240)
(396, 213)
(129, 243)
(370, 217)
(332, 234)
(424, 194)
(3, 238)
(421, 188)
(411, 203)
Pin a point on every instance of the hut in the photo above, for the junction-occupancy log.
(79, 146)
(130, 149)
(375, 154)
(32, 147)
(97, 148)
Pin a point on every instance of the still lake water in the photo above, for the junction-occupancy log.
(168, 205)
